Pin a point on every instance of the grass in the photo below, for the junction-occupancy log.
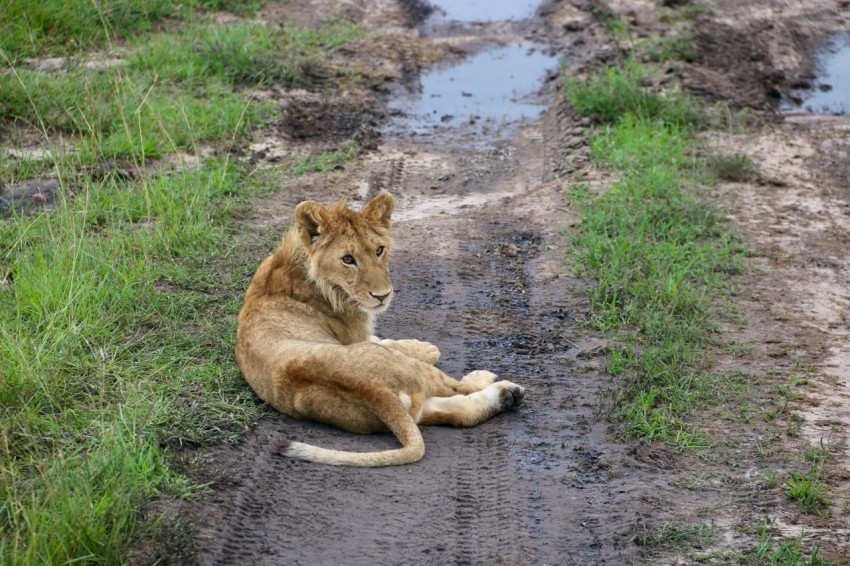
(659, 255)
(176, 89)
(114, 339)
(243, 54)
(614, 93)
(807, 490)
(770, 552)
(117, 308)
(66, 27)
(673, 535)
(328, 160)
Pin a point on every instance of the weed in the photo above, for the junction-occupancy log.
(672, 535)
(327, 161)
(771, 478)
(615, 24)
(817, 454)
(807, 490)
(770, 552)
(617, 93)
(675, 48)
(738, 167)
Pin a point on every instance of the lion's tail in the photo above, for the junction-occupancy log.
(397, 419)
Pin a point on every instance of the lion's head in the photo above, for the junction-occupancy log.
(348, 252)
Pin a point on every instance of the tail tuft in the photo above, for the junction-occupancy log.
(281, 446)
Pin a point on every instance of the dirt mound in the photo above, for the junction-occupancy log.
(310, 116)
(730, 64)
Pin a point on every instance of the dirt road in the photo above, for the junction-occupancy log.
(479, 268)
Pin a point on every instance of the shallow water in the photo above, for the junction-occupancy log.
(484, 10)
(495, 85)
(831, 94)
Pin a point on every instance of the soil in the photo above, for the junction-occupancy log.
(480, 272)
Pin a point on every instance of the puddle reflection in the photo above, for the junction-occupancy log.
(831, 92)
(494, 85)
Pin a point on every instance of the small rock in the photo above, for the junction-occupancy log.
(510, 250)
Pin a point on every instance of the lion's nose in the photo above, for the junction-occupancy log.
(381, 297)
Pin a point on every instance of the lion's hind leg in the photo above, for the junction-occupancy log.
(470, 410)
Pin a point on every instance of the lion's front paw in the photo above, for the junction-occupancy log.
(426, 352)
(422, 351)
(480, 378)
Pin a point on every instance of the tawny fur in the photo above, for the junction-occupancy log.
(305, 341)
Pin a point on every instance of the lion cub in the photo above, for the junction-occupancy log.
(305, 341)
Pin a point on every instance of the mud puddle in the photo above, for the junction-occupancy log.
(490, 89)
(484, 10)
(828, 90)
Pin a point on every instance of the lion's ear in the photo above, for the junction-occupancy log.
(380, 209)
(312, 219)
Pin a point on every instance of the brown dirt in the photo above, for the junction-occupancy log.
(479, 270)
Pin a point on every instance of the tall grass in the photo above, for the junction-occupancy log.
(117, 307)
(61, 27)
(97, 353)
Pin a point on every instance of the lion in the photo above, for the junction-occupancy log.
(305, 341)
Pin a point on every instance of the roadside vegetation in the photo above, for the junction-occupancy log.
(118, 302)
(662, 260)
(660, 255)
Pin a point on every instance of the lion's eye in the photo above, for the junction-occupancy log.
(348, 260)
(380, 251)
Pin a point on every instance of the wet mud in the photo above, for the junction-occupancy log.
(479, 271)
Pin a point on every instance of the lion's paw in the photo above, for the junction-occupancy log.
(422, 351)
(510, 394)
(480, 378)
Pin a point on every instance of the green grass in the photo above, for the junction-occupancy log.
(659, 255)
(64, 27)
(117, 308)
(673, 535)
(244, 54)
(807, 489)
(177, 89)
(614, 93)
(328, 160)
(771, 552)
(120, 115)
(115, 339)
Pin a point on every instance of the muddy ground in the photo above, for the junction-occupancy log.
(480, 272)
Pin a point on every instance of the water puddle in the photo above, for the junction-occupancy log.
(491, 88)
(485, 10)
(829, 93)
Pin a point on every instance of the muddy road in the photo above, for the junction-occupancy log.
(479, 269)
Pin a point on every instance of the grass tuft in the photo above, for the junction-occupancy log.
(327, 161)
(673, 535)
(614, 93)
(807, 490)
